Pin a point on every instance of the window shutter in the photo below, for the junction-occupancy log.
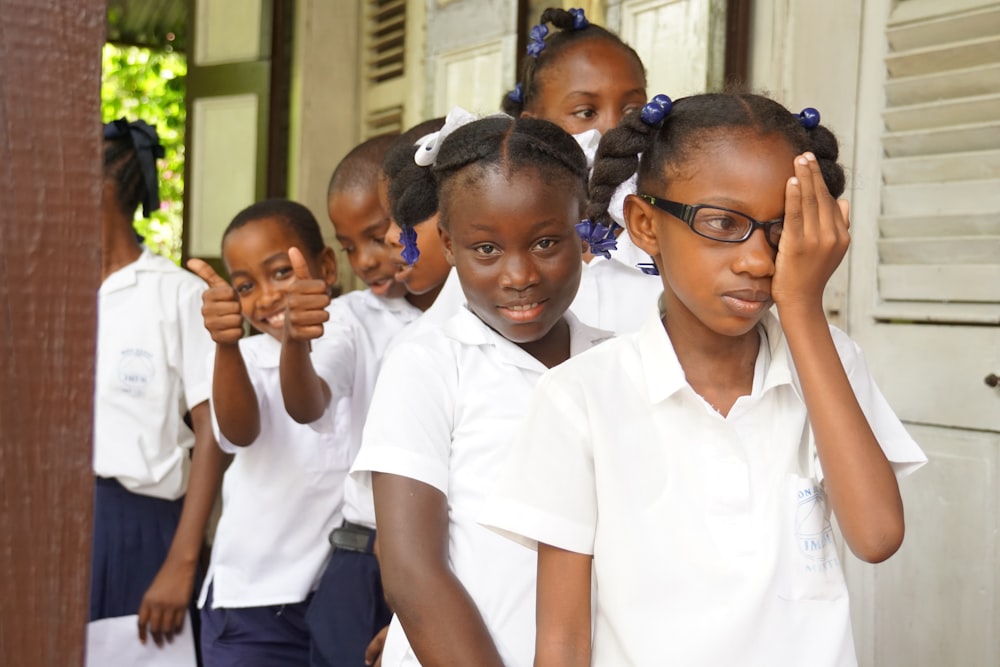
(384, 61)
(939, 228)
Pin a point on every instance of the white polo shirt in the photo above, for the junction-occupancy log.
(281, 497)
(711, 536)
(152, 352)
(615, 295)
(348, 358)
(442, 414)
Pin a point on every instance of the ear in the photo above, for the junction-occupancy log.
(527, 114)
(449, 251)
(641, 223)
(328, 266)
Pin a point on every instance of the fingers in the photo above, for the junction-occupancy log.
(299, 266)
(156, 625)
(373, 653)
(204, 270)
(143, 619)
(845, 211)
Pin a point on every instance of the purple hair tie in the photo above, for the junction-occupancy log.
(410, 251)
(656, 110)
(809, 118)
(601, 239)
(537, 39)
(517, 95)
(579, 19)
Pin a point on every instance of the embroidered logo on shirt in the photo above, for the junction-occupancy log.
(813, 531)
(135, 371)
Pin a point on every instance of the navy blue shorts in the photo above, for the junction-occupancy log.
(272, 636)
(132, 534)
(347, 610)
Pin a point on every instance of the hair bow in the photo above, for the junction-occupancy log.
(429, 145)
(601, 239)
(147, 147)
(579, 19)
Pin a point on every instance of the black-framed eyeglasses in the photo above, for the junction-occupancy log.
(717, 223)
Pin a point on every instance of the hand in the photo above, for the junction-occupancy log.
(306, 301)
(220, 305)
(161, 613)
(813, 241)
(373, 654)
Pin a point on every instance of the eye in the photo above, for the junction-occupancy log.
(486, 249)
(347, 249)
(545, 244)
(243, 288)
(721, 223)
(585, 114)
(283, 273)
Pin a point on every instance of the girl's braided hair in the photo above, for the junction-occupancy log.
(690, 124)
(521, 97)
(412, 190)
(508, 144)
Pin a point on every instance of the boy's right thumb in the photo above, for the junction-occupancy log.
(299, 266)
(204, 270)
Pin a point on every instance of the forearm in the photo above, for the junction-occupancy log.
(207, 465)
(234, 398)
(858, 479)
(563, 605)
(305, 393)
(450, 631)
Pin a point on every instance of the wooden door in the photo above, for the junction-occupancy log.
(925, 306)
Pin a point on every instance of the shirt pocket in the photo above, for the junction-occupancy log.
(809, 566)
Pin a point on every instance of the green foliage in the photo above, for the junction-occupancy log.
(141, 84)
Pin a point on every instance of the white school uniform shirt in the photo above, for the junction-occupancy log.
(281, 497)
(614, 294)
(711, 535)
(443, 412)
(348, 358)
(152, 348)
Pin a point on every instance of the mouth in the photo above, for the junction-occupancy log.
(275, 321)
(748, 301)
(522, 312)
(381, 285)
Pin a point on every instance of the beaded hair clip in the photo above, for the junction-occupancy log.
(537, 34)
(411, 253)
(809, 118)
(146, 144)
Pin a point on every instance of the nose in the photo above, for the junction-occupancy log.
(393, 236)
(368, 255)
(755, 256)
(609, 120)
(518, 272)
(270, 294)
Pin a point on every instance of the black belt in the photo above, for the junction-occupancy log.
(352, 537)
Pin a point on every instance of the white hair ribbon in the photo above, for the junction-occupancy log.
(429, 144)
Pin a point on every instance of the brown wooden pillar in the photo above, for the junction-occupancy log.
(50, 72)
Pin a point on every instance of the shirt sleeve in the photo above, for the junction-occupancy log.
(547, 490)
(899, 448)
(335, 360)
(409, 426)
(197, 348)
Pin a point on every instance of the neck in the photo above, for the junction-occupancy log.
(119, 246)
(425, 300)
(553, 348)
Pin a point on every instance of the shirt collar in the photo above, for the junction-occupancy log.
(467, 329)
(128, 274)
(663, 372)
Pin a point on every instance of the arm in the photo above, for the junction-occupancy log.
(563, 608)
(233, 397)
(440, 619)
(305, 393)
(164, 605)
(858, 478)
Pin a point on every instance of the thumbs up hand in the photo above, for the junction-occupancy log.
(220, 305)
(306, 301)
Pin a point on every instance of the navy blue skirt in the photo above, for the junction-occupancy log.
(132, 534)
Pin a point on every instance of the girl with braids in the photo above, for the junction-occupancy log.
(510, 192)
(691, 468)
(585, 79)
(153, 496)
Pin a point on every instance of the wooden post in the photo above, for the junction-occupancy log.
(50, 174)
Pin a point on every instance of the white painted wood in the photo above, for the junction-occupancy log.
(950, 250)
(928, 312)
(971, 165)
(951, 27)
(951, 197)
(976, 136)
(986, 224)
(914, 10)
(969, 53)
(934, 374)
(474, 77)
(978, 283)
(933, 603)
(227, 31)
(968, 82)
(944, 113)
